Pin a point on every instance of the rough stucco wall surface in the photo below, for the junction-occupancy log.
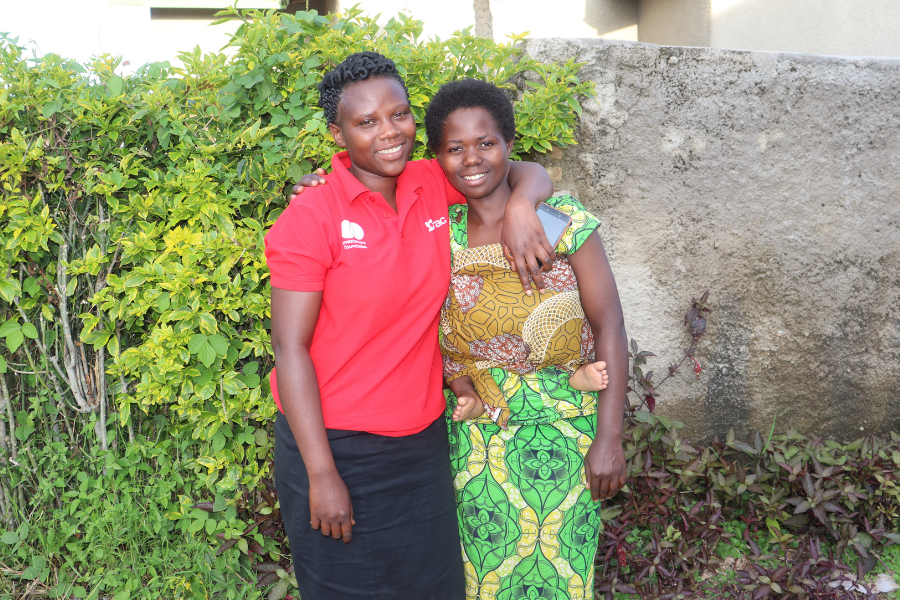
(773, 180)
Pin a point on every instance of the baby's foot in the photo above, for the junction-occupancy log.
(591, 377)
(467, 407)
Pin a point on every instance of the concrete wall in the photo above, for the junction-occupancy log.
(773, 180)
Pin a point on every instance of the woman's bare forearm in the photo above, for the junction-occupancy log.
(600, 301)
(611, 346)
(529, 181)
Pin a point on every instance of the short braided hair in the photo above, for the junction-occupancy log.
(468, 93)
(356, 67)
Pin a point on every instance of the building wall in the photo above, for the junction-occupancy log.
(172, 31)
(613, 19)
(674, 22)
(842, 27)
(566, 18)
(857, 27)
(772, 180)
(139, 34)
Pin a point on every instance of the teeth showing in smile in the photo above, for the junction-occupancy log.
(474, 177)
(390, 150)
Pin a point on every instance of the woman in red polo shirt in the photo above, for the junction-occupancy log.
(359, 270)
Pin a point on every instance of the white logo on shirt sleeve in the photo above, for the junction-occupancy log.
(352, 234)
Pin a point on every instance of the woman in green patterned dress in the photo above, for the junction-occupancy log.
(533, 449)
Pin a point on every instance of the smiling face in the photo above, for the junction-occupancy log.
(375, 124)
(473, 153)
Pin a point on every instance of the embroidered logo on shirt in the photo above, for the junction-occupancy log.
(352, 234)
(433, 224)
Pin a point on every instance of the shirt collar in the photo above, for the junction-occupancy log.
(352, 187)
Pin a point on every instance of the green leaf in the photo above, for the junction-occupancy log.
(219, 344)
(113, 346)
(115, 85)
(2, 366)
(219, 504)
(9, 289)
(218, 441)
(206, 354)
(9, 327)
(23, 431)
(196, 342)
(196, 525)
(134, 280)
(31, 572)
(47, 312)
(9, 537)
(251, 381)
(50, 109)
(207, 323)
(250, 368)
(279, 590)
(164, 302)
(14, 340)
(30, 331)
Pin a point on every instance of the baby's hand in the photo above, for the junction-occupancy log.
(308, 180)
(467, 407)
(591, 377)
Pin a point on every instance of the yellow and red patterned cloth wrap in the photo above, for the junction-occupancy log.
(519, 350)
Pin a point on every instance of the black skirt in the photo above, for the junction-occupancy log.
(406, 539)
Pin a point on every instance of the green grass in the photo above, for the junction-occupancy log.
(890, 563)
(90, 535)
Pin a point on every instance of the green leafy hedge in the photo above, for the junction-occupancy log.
(134, 299)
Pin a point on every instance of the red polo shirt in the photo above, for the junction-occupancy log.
(383, 277)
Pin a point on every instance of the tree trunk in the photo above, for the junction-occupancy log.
(484, 22)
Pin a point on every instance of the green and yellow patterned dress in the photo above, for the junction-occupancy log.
(528, 526)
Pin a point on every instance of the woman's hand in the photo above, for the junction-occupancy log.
(604, 467)
(329, 506)
(525, 244)
(308, 180)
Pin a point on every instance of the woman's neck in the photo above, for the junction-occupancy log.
(485, 216)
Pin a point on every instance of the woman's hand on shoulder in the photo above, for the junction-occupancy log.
(604, 467)
(308, 180)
